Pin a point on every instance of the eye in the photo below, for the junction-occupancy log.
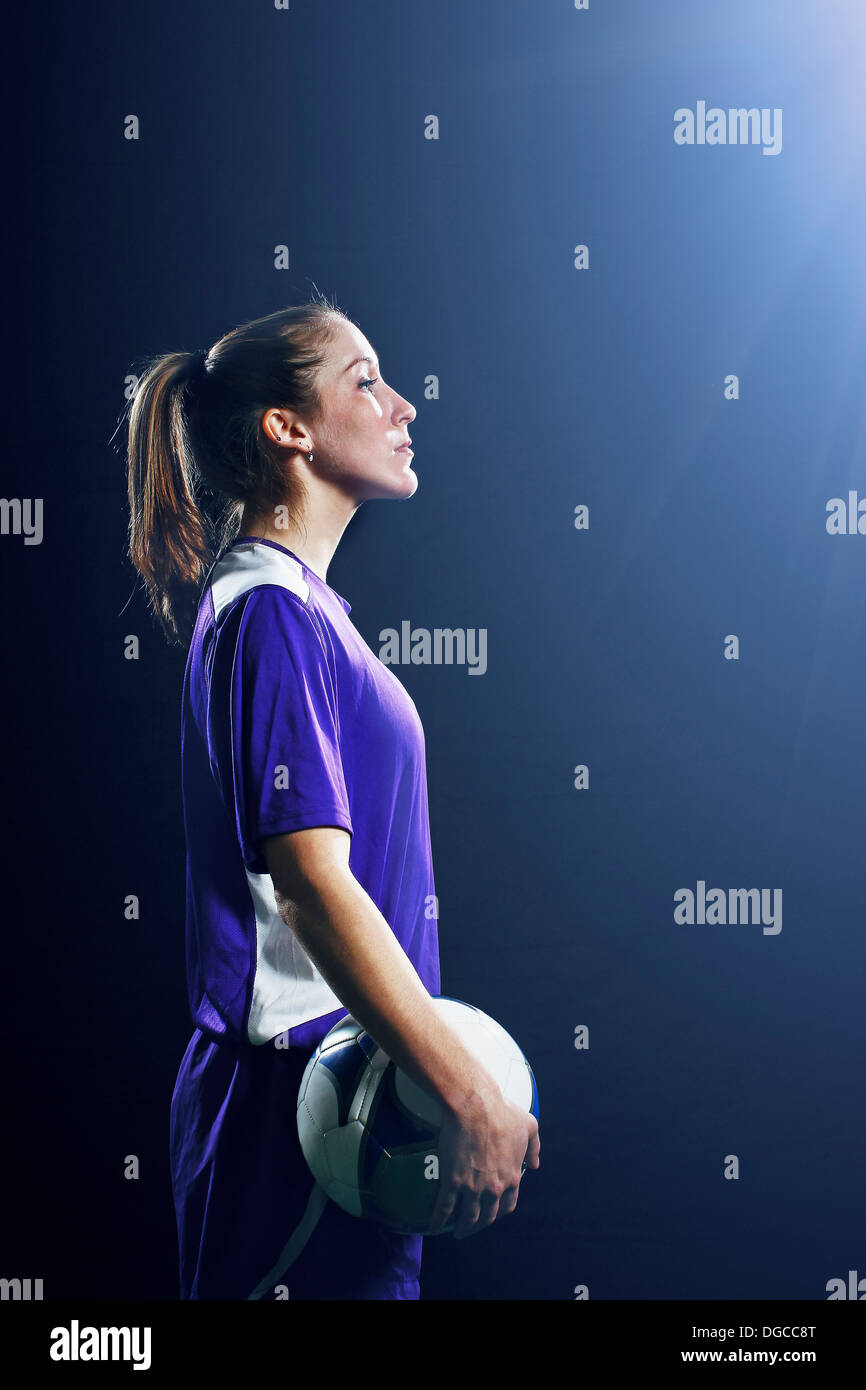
(371, 381)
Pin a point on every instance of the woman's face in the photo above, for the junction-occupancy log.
(362, 423)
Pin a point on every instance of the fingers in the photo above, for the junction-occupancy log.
(508, 1201)
(443, 1208)
(476, 1212)
(533, 1150)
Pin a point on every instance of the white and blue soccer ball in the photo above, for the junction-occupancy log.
(370, 1134)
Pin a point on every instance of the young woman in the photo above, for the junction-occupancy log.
(310, 887)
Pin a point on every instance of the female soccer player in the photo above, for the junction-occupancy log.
(309, 876)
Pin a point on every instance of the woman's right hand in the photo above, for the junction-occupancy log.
(481, 1153)
(484, 1139)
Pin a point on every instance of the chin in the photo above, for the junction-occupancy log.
(405, 487)
(410, 491)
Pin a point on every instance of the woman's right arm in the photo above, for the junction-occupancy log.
(484, 1138)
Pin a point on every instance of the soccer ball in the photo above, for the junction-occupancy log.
(370, 1134)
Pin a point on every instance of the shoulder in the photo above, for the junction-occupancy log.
(264, 611)
(249, 568)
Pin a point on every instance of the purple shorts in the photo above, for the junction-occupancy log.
(245, 1198)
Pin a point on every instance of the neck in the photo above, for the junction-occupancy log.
(313, 543)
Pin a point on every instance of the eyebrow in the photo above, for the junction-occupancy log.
(356, 361)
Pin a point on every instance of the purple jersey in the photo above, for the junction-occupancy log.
(290, 720)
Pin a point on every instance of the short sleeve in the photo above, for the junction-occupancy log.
(273, 721)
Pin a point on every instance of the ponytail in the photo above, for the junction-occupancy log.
(169, 540)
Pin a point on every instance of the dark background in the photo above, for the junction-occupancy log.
(605, 387)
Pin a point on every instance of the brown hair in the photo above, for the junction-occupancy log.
(197, 452)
